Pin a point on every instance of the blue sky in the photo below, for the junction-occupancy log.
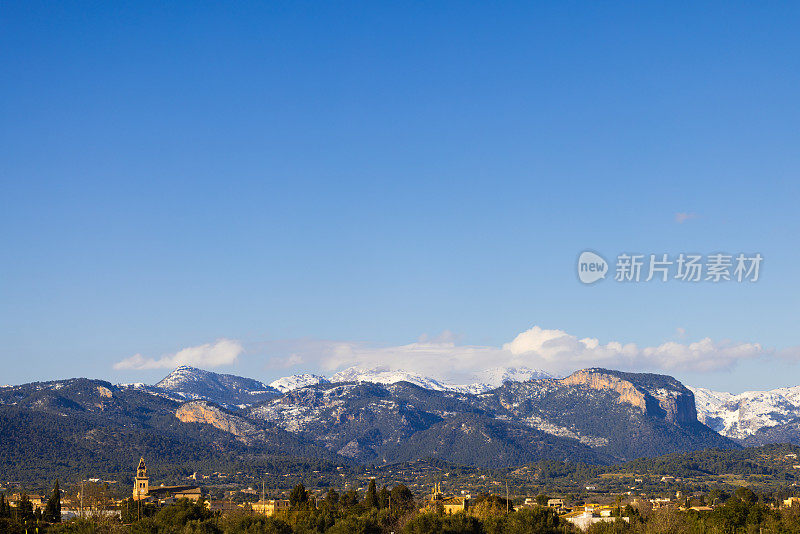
(297, 177)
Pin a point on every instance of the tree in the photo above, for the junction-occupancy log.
(383, 498)
(4, 511)
(181, 513)
(52, 511)
(259, 524)
(542, 499)
(491, 505)
(298, 499)
(667, 520)
(371, 498)
(424, 524)
(402, 498)
(538, 519)
(198, 526)
(331, 499)
(463, 524)
(132, 511)
(717, 496)
(24, 509)
(349, 500)
(355, 525)
(746, 495)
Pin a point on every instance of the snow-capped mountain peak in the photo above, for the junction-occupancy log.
(182, 375)
(289, 383)
(490, 379)
(228, 390)
(497, 376)
(742, 415)
(383, 376)
(752, 416)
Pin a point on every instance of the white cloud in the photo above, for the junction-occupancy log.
(222, 352)
(682, 217)
(442, 357)
(557, 349)
(554, 351)
(437, 358)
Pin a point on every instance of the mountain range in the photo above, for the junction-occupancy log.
(595, 416)
(194, 417)
(752, 417)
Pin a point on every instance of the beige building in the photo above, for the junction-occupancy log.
(791, 501)
(142, 490)
(193, 494)
(223, 506)
(450, 505)
(270, 507)
(455, 505)
(36, 500)
(141, 484)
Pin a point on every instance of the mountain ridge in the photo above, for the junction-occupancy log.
(594, 415)
(752, 415)
(227, 390)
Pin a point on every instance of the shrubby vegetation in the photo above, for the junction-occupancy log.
(712, 461)
(744, 512)
(394, 510)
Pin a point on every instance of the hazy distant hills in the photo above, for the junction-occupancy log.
(594, 416)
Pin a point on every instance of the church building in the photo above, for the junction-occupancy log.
(141, 484)
(160, 494)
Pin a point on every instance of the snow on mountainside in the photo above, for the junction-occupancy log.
(378, 376)
(386, 416)
(490, 379)
(742, 415)
(190, 383)
(289, 383)
(227, 390)
(498, 376)
(746, 416)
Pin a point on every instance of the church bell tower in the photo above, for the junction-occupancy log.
(141, 484)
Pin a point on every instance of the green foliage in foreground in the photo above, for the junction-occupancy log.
(744, 512)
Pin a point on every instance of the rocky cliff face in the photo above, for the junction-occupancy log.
(594, 379)
(595, 415)
(653, 395)
(202, 412)
(678, 406)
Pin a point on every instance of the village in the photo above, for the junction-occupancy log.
(95, 498)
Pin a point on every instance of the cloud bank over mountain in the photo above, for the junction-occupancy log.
(551, 350)
(209, 355)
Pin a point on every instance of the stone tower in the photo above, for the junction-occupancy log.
(141, 484)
